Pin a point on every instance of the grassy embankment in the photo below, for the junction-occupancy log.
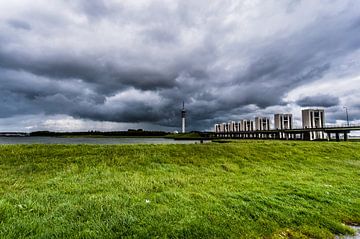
(246, 189)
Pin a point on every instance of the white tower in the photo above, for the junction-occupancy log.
(183, 116)
(314, 118)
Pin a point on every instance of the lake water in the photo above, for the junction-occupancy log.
(90, 140)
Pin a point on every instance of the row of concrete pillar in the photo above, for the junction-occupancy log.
(312, 135)
(337, 135)
(260, 135)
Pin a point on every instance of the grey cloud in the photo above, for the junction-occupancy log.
(338, 113)
(19, 24)
(319, 100)
(107, 77)
(161, 36)
(197, 52)
(94, 8)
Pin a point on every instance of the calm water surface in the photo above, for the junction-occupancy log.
(89, 140)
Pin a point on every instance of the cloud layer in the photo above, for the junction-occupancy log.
(318, 100)
(136, 61)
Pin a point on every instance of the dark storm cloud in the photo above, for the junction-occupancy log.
(137, 61)
(318, 100)
(88, 69)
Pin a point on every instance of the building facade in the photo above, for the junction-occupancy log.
(217, 128)
(247, 125)
(313, 127)
(232, 127)
(262, 123)
(312, 119)
(283, 121)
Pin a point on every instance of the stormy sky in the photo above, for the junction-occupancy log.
(72, 65)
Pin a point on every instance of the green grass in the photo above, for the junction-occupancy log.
(246, 189)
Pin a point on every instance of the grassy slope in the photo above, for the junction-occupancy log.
(246, 189)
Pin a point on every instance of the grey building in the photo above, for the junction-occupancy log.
(313, 122)
(314, 118)
(247, 125)
(232, 126)
(283, 121)
(262, 123)
(238, 126)
(224, 127)
(217, 128)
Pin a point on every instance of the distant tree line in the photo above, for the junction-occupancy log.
(130, 132)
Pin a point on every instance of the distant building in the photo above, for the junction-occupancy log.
(262, 123)
(283, 121)
(314, 118)
(224, 127)
(232, 126)
(313, 122)
(238, 126)
(247, 125)
(217, 128)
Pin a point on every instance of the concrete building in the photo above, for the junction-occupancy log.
(217, 128)
(283, 121)
(311, 119)
(232, 127)
(183, 118)
(238, 126)
(224, 127)
(262, 123)
(247, 125)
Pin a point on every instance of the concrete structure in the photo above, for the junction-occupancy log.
(247, 125)
(262, 123)
(311, 119)
(231, 126)
(313, 128)
(283, 121)
(224, 127)
(217, 128)
(340, 132)
(238, 126)
(183, 118)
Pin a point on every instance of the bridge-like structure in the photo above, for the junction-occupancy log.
(340, 132)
